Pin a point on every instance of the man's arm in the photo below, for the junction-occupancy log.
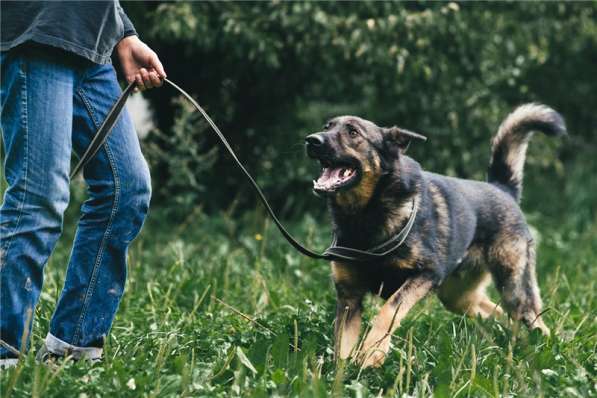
(129, 28)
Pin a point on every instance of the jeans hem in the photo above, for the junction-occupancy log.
(62, 348)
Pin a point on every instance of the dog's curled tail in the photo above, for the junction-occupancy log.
(509, 145)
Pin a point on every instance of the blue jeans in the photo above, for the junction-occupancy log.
(51, 104)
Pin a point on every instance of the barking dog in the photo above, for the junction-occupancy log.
(465, 232)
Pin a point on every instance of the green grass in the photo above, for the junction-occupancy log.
(216, 309)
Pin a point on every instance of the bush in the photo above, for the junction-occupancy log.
(270, 73)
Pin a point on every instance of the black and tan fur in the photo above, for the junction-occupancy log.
(465, 233)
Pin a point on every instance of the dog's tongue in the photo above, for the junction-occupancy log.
(332, 177)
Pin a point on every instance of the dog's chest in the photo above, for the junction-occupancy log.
(386, 280)
(378, 279)
(409, 262)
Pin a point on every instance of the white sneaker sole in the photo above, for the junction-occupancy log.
(8, 363)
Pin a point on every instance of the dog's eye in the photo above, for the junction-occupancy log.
(327, 126)
(352, 131)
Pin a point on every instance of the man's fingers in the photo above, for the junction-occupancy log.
(155, 79)
(155, 63)
(146, 80)
(139, 81)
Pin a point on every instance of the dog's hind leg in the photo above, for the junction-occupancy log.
(465, 294)
(512, 263)
(377, 343)
(487, 308)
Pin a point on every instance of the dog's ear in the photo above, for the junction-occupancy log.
(399, 139)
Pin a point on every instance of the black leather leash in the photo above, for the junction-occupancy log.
(334, 252)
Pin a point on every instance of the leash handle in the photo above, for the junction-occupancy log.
(333, 252)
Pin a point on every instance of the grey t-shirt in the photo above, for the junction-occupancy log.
(90, 29)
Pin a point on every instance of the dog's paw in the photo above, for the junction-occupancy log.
(542, 328)
(374, 351)
(374, 358)
(534, 322)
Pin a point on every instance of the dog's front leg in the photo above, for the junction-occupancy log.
(348, 321)
(350, 292)
(377, 343)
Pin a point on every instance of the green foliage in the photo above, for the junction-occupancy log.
(180, 331)
(183, 149)
(272, 72)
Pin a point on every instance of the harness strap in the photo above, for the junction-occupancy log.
(334, 252)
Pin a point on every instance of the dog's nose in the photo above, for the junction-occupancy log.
(314, 140)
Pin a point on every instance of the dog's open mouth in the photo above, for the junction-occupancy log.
(335, 176)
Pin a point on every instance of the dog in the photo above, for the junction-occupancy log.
(465, 232)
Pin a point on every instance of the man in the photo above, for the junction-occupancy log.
(57, 86)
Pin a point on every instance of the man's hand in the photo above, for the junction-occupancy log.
(139, 63)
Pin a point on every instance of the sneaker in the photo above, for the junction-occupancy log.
(7, 363)
(45, 356)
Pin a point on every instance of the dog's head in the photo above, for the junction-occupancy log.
(354, 154)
